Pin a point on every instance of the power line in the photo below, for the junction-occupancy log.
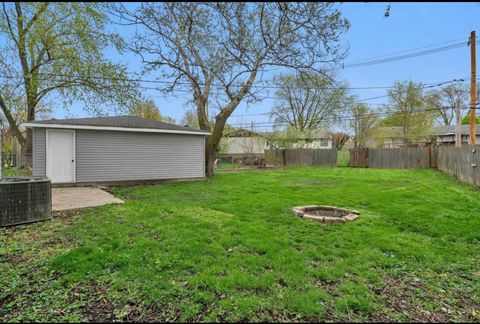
(346, 117)
(405, 51)
(406, 56)
(426, 86)
(429, 85)
(188, 83)
(383, 105)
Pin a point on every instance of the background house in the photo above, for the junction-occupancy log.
(316, 139)
(393, 137)
(445, 135)
(386, 137)
(112, 149)
(242, 142)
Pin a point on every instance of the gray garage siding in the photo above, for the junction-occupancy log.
(39, 152)
(118, 156)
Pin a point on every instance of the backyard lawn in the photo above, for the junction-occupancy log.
(12, 172)
(343, 158)
(230, 249)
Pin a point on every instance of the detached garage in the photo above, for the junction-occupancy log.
(116, 149)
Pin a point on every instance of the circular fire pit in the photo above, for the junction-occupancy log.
(326, 214)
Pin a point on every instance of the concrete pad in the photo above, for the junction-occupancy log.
(81, 197)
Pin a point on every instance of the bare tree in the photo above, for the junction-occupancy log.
(339, 139)
(219, 51)
(363, 121)
(251, 143)
(55, 49)
(307, 102)
(446, 101)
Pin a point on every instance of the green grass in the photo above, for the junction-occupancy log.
(233, 166)
(11, 172)
(343, 158)
(229, 249)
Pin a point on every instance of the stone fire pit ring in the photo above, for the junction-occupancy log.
(326, 214)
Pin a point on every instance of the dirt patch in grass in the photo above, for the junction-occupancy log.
(98, 308)
(69, 216)
(327, 285)
(282, 316)
(401, 295)
(408, 296)
(154, 314)
(17, 302)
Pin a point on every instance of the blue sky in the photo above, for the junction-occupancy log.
(410, 25)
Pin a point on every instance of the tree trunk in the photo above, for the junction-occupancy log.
(210, 158)
(213, 141)
(211, 146)
(28, 146)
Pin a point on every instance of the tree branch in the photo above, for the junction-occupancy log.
(11, 121)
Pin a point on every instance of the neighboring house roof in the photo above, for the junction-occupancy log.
(437, 131)
(450, 130)
(241, 132)
(121, 123)
(315, 134)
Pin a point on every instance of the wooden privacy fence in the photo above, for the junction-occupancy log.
(358, 158)
(394, 158)
(401, 158)
(301, 157)
(462, 163)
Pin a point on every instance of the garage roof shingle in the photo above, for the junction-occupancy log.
(117, 121)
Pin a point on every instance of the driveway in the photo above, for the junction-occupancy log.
(81, 197)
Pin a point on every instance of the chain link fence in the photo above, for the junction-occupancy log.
(17, 160)
(239, 162)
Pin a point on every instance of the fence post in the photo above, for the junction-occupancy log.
(473, 166)
(430, 156)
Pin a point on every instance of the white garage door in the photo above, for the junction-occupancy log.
(61, 156)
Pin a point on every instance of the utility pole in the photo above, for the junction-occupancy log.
(473, 79)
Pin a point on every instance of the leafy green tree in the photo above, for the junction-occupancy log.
(146, 109)
(285, 137)
(190, 119)
(407, 108)
(149, 110)
(56, 50)
(466, 119)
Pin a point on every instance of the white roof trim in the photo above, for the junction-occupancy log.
(108, 128)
